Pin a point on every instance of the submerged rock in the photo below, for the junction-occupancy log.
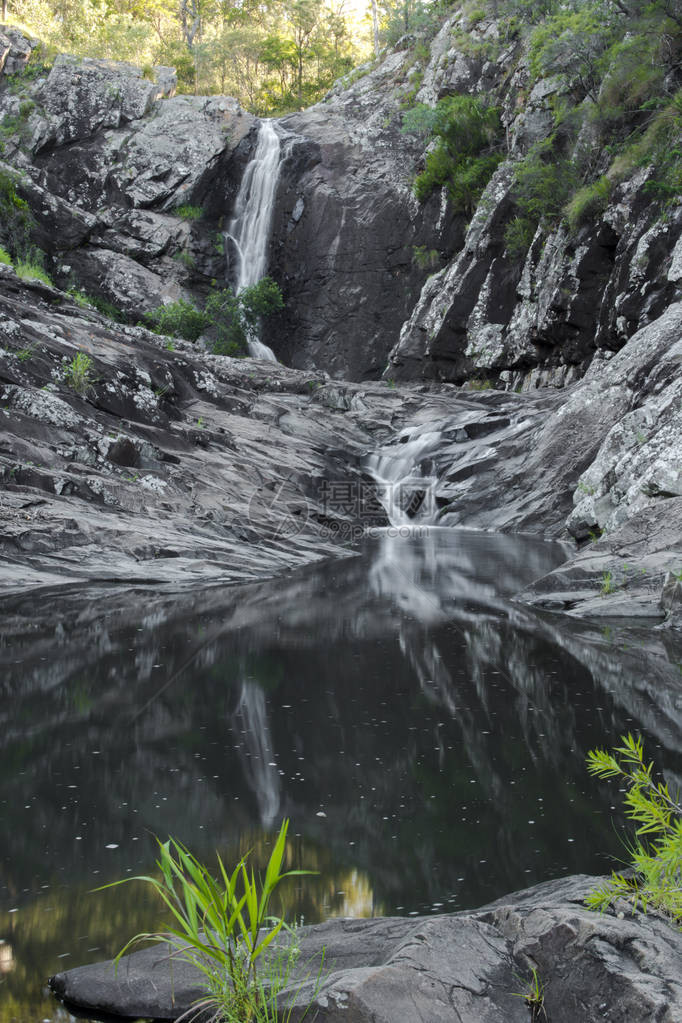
(472, 965)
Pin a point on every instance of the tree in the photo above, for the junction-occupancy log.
(375, 27)
(303, 17)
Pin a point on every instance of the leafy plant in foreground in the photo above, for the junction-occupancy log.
(223, 928)
(656, 859)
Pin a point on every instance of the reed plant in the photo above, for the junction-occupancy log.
(222, 926)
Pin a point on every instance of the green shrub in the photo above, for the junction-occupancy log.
(467, 184)
(588, 203)
(222, 927)
(178, 319)
(80, 298)
(16, 219)
(78, 374)
(633, 76)
(185, 258)
(656, 858)
(187, 212)
(106, 308)
(518, 236)
(235, 317)
(5, 257)
(657, 144)
(573, 44)
(32, 271)
(425, 259)
(419, 120)
(469, 134)
(543, 182)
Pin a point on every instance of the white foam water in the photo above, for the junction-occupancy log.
(248, 232)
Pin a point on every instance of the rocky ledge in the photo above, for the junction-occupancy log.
(474, 966)
(160, 463)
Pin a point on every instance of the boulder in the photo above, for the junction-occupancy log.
(83, 96)
(15, 50)
(473, 965)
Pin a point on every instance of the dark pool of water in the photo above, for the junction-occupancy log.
(425, 734)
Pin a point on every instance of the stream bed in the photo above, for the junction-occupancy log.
(425, 734)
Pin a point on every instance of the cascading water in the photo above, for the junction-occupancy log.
(248, 233)
(404, 474)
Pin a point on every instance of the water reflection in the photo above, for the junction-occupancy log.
(425, 734)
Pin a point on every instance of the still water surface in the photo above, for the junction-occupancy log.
(425, 734)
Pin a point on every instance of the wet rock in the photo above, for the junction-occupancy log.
(470, 965)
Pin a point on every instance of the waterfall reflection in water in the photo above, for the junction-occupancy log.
(425, 733)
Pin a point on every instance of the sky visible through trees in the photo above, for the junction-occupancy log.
(273, 55)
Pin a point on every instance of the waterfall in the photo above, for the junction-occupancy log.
(404, 472)
(248, 232)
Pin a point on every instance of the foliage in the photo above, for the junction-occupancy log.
(589, 202)
(273, 57)
(5, 257)
(218, 926)
(178, 319)
(80, 298)
(16, 219)
(78, 373)
(419, 120)
(466, 153)
(656, 858)
(187, 212)
(518, 236)
(534, 997)
(230, 318)
(14, 124)
(235, 317)
(106, 308)
(608, 584)
(186, 258)
(31, 270)
(571, 44)
(425, 259)
(397, 18)
(543, 182)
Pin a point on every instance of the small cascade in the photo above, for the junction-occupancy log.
(405, 476)
(248, 234)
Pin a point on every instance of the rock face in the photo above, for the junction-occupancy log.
(538, 320)
(347, 226)
(159, 462)
(475, 966)
(105, 157)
